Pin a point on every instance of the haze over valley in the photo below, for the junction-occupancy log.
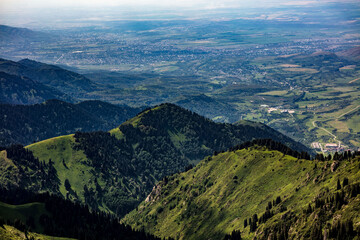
(190, 120)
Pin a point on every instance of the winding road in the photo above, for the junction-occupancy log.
(335, 118)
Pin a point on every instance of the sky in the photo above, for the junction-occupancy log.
(30, 5)
(25, 13)
(14, 4)
(36, 4)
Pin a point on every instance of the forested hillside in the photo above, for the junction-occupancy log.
(27, 124)
(54, 216)
(22, 90)
(215, 109)
(115, 171)
(256, 191)
(68, 82)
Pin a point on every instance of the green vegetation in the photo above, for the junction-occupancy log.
(69, 163)
(329, 98)
(68, 82)
(257, 65)
(52, 215)
(11, 233)
(309, 85)
(114, 172)
(26, 124)
(20, 90)
(20, 168)
(27, 213)
(222, 192)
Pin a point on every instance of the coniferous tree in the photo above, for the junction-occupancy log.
(235, 235)
(255, 218)
(67, 185)
(345, 182)
(253, 226)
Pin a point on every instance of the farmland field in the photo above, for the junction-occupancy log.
(302, 64)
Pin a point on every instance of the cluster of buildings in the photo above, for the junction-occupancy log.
(277, 109)
(329, 147)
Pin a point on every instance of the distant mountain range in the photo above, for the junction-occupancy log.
(70, 83)
(352, 54)
(15, 34)
(22, 90)
(94, 170)
(28, 123)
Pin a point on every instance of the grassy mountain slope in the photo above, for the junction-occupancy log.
(23, 213)
(63, 80)
(188, 130)
(25, 124)
(116, 171)
(19, 168)
(215, 197)
(62, 148)
(11, 233)
(22, 90)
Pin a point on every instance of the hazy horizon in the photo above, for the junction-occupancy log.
(40, 13)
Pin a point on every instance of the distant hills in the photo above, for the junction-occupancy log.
(256, 193)
(70, 83)
(352, 54)
(210, 108)
(91, 167)
(115, 171)
(28, 123)
(22, 90)
(15, 34)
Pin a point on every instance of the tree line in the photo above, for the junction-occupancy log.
(68, 219)
(32, 174)
(272, 145)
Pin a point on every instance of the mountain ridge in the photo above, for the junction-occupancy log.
(25, 124)
(71, 83)
(258, 193)
(9, 33)
(113, 171)
(22, 90)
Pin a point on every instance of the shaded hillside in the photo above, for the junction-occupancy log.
(15, 34)
(108, 112)
(22, 90)
(352, 54)
(210, 108)
(8, 232)
(115, 171)
(194, 135)
(52, 215)
(26, 124)
(19, 168)
(63, 80)
(259, 193)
